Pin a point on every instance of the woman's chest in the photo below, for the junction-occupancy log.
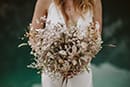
(55, 16)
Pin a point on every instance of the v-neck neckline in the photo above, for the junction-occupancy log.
(63, 19)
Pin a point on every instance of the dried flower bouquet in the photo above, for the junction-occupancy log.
(61, 51)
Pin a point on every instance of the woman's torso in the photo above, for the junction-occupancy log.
(55, 16)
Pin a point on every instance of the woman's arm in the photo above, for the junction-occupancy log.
(40, 10)
(98, 13)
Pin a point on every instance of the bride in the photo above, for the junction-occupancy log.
(69, 12)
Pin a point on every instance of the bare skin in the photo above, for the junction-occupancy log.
(42, 6)
(98, 13)
(72, 14)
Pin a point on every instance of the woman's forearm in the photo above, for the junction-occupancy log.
(40, 10)
(98, 13)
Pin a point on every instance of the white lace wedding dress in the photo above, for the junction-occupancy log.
(82, 80)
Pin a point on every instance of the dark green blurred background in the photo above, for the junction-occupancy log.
(110, 67)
